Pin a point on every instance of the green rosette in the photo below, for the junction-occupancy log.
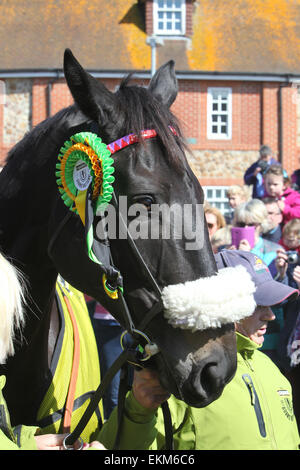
(87, 150)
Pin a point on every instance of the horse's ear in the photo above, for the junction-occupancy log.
(92, 97)
(164, 84)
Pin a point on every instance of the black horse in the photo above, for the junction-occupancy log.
(193, 365)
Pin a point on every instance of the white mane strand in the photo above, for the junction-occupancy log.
(11, 307)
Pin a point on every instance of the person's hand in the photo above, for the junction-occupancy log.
(281, 263)
(50, 441)
(94, 445)
(256, 171)
(244, 245)
(281, 204)
(296, 276)
(147, 389)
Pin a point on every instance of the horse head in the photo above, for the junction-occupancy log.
(157, 235)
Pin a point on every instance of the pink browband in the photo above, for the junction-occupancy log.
(133, 139)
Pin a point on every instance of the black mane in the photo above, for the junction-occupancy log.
(141, 110)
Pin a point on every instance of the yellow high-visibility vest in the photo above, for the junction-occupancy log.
(51, 412)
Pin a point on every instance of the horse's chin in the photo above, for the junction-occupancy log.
(203, 397)
(197, 399)
(195, 403)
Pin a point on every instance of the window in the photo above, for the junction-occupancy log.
(169, 17)
(219, 113)
(216, 196)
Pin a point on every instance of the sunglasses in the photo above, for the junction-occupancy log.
(242, 224)
(211, 225)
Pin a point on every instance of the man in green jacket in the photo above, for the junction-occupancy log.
(255, 410)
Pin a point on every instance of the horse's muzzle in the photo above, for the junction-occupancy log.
(208, 379)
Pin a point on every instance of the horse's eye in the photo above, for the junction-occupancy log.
(146, 201)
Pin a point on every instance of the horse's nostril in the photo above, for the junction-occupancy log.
(206, 385)
(210, 378)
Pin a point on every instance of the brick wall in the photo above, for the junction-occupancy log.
(149, 17)
(289, 132)
(189, 18)
(39, 101)
(254, 121)
(269, 129)
(60, 96)
(191, 107)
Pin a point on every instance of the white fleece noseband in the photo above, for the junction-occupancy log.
(210, 302)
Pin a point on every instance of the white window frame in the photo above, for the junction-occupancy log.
(219, 135)
(216, 200)
(169, 10)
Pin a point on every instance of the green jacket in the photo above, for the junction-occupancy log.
(19, 437)
(254, 412)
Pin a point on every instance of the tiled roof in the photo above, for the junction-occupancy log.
(246, 36)
(228, 36)
(102, 34)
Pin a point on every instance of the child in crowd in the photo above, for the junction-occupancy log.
(236, 196)
(277, 185)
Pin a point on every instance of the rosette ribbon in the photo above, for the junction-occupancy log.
(84, 175)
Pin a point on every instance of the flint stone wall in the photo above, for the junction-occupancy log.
(17, 110)
(221, 163)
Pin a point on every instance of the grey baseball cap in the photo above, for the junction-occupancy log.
(268, 291)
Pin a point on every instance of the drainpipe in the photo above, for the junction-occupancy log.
(154, 42)
(30, 106)
(48, 99)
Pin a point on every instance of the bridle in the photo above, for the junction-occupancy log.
(113, 283)
(130, 354)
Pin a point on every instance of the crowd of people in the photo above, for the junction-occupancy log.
(264, 219)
